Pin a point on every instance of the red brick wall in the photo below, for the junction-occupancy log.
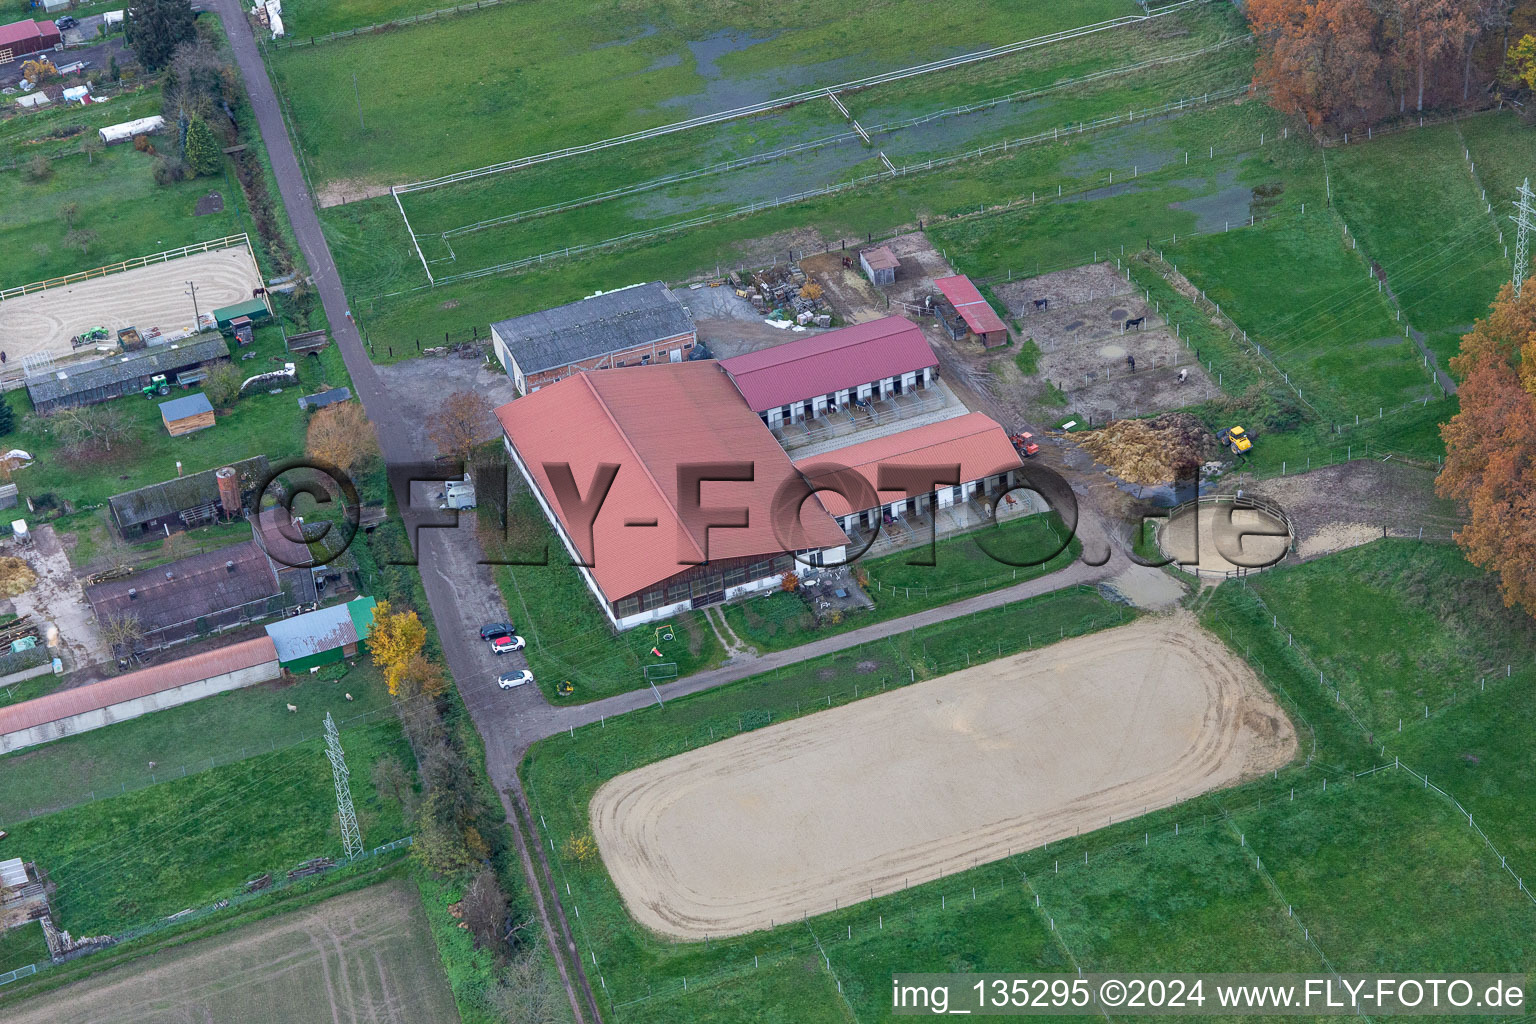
(656, 350)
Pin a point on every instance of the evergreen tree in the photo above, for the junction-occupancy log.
(154, 28)
(7, 418)
(202, 152)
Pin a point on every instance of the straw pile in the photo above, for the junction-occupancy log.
(1155, 451)
(16, 577)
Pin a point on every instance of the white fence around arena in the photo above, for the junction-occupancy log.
(228, 241)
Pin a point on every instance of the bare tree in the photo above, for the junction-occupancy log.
(525, 995)
(485, 909)
(123, 634)
(90, 425)
(463, 421)
(90, 145)
(84, 238)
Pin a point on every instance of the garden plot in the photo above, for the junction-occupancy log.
(1085, 345)
(928, 780)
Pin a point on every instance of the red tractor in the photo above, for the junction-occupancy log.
(1024, 444)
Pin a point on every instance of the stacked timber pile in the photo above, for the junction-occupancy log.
(1155, 451)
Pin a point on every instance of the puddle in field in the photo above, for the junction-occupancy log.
(760, 183)
(949, 135)
(1226, 207)
(707, 51)
(668, 60)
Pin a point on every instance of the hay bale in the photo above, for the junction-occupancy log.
(1155, 451)
(16, 577)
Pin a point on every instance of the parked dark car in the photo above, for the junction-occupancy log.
(492, 630)
(65, 22)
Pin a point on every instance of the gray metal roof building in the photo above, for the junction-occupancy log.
(171, 499)
(321, 399)
(212, 590)
(98, 380)
(579, 335)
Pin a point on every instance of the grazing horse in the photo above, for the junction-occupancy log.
(1136, 322)
(1043, 304)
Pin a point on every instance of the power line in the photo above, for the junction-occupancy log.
(351, 837)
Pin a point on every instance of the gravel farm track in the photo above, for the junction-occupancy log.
(927, 780)
(365, 956)
(152, 296)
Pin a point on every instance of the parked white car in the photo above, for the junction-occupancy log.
(507, 680)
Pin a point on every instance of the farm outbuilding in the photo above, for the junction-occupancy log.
(974, 443)
(188, 501)
(186, 414)
(321, 399)
(24, 38)
(192, 596)
(100, 380)
(632, 326)
(82, 708)
(879, 265)
(815, 374)
(129, 129)
(305, 642)
(974, 312)
(256, 310)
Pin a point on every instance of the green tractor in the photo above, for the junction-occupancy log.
(157, 385)
(90, 337)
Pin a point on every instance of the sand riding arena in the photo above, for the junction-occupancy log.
(147, 292)
(897, 789)
(1084, 342)
(1221, 536)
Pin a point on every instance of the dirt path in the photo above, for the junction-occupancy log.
(58, 599)
(930, 779)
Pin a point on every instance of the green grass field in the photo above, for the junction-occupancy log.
(591, 71)
(1303, 295)
(116, 759)
(1411, 201)
(129, 859)
(116, 198)
(1054, 97)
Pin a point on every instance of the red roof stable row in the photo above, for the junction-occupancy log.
(975, 442)
(94, 696)
(649, 420)
(821, 364)
(973, 309)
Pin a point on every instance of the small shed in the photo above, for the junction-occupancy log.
(305, 642)
(128, 129)
(256, 309)
(974, 312)
(309, 403)
(879, 265)
(112, 17)
(186, 414)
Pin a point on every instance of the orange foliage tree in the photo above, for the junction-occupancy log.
(396, 642)
(1348, 63)
(1490, 445)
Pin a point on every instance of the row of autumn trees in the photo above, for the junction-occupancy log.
(1346, 64)
(1490, 444)
(456, 824)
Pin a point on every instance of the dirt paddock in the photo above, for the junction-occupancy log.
(365, 956)
(152, 296)
(1217, 538)
(1083, 344)
(927, 780)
